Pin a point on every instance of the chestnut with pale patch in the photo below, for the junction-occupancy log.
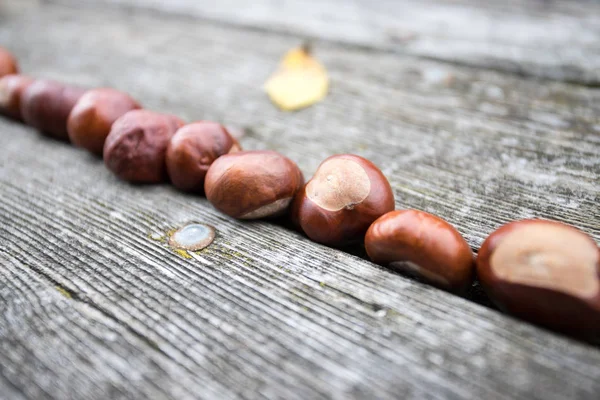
(424, 245)
(338, 184)
(193, 149)
(8, 63)
(46, 105)
(11, 91)
(545, 272)
(344, 197)
(136, 146)
(94, 114)
(252, 184)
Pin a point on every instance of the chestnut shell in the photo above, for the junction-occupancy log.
(425, 240)
(135, 148)
(11, 89)
(193, 149)
(94, 114)
(348, 224)
(8, 63)
(544, 306)
(46, 105)
(247, 184)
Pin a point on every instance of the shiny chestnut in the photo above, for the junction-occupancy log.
(46, 106)
(135, 148)
(8, 63)
(341, 201)
(544, 272)
(11, 90)
(421, 244)
(252, 184)
(193, 149)
(94, 114)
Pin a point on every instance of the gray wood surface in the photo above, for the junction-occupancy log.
(556, 39)
(95, 305)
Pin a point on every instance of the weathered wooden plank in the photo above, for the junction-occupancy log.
(264, 312)
(54, 345)
(551, 39)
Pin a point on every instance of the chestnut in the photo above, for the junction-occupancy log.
(544, 272)
(342, 200)
(135, 148)
(252, 184)
(46, 105)
(193, 149)
(92, 117)
(8, 63)
(11, 90)
(421, 244)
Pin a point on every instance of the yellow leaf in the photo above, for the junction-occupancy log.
(299, 82)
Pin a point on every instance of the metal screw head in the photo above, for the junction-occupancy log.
(192, 237)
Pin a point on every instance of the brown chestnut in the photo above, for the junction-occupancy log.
(46, 105)
(424, 245)
(342, 200)
(252, 184)
(193, 149)
(92, 117)
(11, 90)
(8, 63)
(135, 148)
(545, 272)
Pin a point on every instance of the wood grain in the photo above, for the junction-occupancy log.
(555, 39)
(95, 304)
(478, 148)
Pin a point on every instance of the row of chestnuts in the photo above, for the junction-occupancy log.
(542, 271)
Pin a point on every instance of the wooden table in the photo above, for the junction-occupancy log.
(479, 112)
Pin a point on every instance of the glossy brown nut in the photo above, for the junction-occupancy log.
(136, 146)
(545, 272)
(193, 149)
(94, 114)
(8, 63)
(11, 90)
(342, 200)
(252, 184)
(46, 105)
(424, 245)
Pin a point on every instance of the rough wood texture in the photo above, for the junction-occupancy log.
(95, 305)
(555, 39)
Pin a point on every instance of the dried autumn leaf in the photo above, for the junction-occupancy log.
(299, 82)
